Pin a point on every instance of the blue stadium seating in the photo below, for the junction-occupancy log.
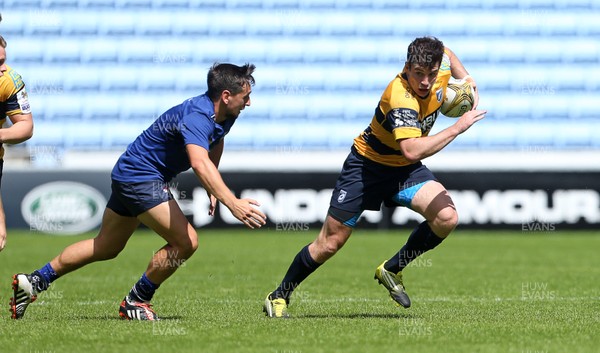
(85, 136)
(273, 136)
(190, 24)
(137, 108)
(48, 134)
(81, 24)
(210, 51)
(319, 5)
(240, 138)
(285, 52)
(464, 5)
(287, 108)
(153, 24)
(376, 25)
(100, 108)
(138, 52)
(341, 136)
(134, 4)
(321, 51)
(343, 79)
(94, 52)
(575, 136)
(13, 23)
(259, 111)
(62, 52)
(119, 79)
(360, 109)
(61, 109)
(587, 25)
(592, 78)
(91, 65)
(531, 135)
(194, 80)
(236, 24)
(502, 5)
(117, 23)
(30, 52)
(585, 107)
(81, 81)
(476, 51)
(249, 51)
(59, 3)
(578, 51)
(97, 4)
(122, 133)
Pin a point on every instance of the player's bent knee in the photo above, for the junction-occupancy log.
(188, 247)
(193, 242)
(333, 244)
(330, 248)
(106, 253)
(446, 220)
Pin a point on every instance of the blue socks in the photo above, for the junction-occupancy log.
(302, 266)
(48, 273)
(42, 278)
(420, 240)
(143, 290)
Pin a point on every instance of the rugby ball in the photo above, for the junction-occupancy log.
(459, 99)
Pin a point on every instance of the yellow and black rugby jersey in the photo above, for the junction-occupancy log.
(13, 97)
(402, 114)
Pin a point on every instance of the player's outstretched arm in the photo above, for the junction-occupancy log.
(21, 130)
(206, 171)
(418, 148)
(215, 156)
(459, 72)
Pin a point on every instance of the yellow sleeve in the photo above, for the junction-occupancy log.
(13, 94)
(401, 109)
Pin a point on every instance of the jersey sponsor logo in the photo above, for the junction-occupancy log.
(445, 66)
(23, 100)
(63, 208)
(342, 196)
(428, 122)
(16, 78)
(439, 94)
(402, 117)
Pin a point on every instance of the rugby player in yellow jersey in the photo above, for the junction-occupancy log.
(385, 166)
(15, 105)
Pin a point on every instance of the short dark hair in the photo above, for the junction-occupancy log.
(228, 77)
(425, 51)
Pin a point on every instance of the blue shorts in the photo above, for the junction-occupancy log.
(133, 199)
(1, 168)
(365, 185)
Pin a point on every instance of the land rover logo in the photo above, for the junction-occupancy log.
(63, 208)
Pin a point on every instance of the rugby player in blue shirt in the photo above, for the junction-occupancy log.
(187, 135)
(385, 166)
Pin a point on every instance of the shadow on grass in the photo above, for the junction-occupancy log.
(354, 316)
(117, 318)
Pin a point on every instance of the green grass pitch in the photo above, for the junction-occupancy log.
(480, 291)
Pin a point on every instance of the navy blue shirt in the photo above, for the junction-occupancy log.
(159, 152)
